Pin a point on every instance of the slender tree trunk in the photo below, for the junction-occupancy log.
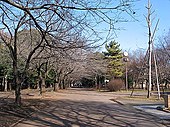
(95, 80)
(5, 83)
(99, 78)
(54, 87)
(59, 83)
(56, 84)
(41, 80)
(1, 83)
(150, 48)
(60, 86)
(10, 87)
(63, 85)
(40, 85)
(43, 84)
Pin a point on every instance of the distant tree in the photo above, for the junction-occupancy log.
(114, 59)
(138, 67)
(5, 67)
(163, 58)
(96, 68)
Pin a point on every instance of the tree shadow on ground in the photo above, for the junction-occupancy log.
(66, 113)
(11, 113)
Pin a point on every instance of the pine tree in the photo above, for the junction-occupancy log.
(113, 55)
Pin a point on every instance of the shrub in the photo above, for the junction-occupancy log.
(115, 84)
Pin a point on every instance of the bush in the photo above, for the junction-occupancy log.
(115, 84)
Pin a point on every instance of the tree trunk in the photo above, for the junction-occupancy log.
(62, 85)
(10, 87)
(40, 85)
(59, 84)
(17, 85)
(18, 94)
(54, 89)
(5, 83)
(150, 49)
(43, 84)
(99, 83)
(95, 80)
(56, 84)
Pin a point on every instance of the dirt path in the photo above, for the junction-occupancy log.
(83, 108)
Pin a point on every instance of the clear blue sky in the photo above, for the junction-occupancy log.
(135, 34)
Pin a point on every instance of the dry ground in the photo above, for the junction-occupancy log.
(75, 108)
(11, 114)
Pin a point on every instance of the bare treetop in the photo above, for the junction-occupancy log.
(88, 18)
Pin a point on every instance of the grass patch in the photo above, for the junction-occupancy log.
(142, 97)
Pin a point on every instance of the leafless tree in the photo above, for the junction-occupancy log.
(163, 55)
(138, 66)
(56, 18)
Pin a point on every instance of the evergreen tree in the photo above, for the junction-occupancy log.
(113, 55)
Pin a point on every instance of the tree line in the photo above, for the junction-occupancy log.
(53, 44)
(138, 65)
(46, 40)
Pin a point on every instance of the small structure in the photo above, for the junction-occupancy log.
(166, 98)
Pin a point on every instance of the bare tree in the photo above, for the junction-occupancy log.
(151, 50)
(138, 67)
(163, 56)
(47, 17)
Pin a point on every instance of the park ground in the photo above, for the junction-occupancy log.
(80, 108)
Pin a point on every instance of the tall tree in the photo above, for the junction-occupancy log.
(57, 18)
(150, 49)
(114, 58)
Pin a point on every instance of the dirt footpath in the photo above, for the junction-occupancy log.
(86, 108)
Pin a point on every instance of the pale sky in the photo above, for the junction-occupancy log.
(135, 34)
